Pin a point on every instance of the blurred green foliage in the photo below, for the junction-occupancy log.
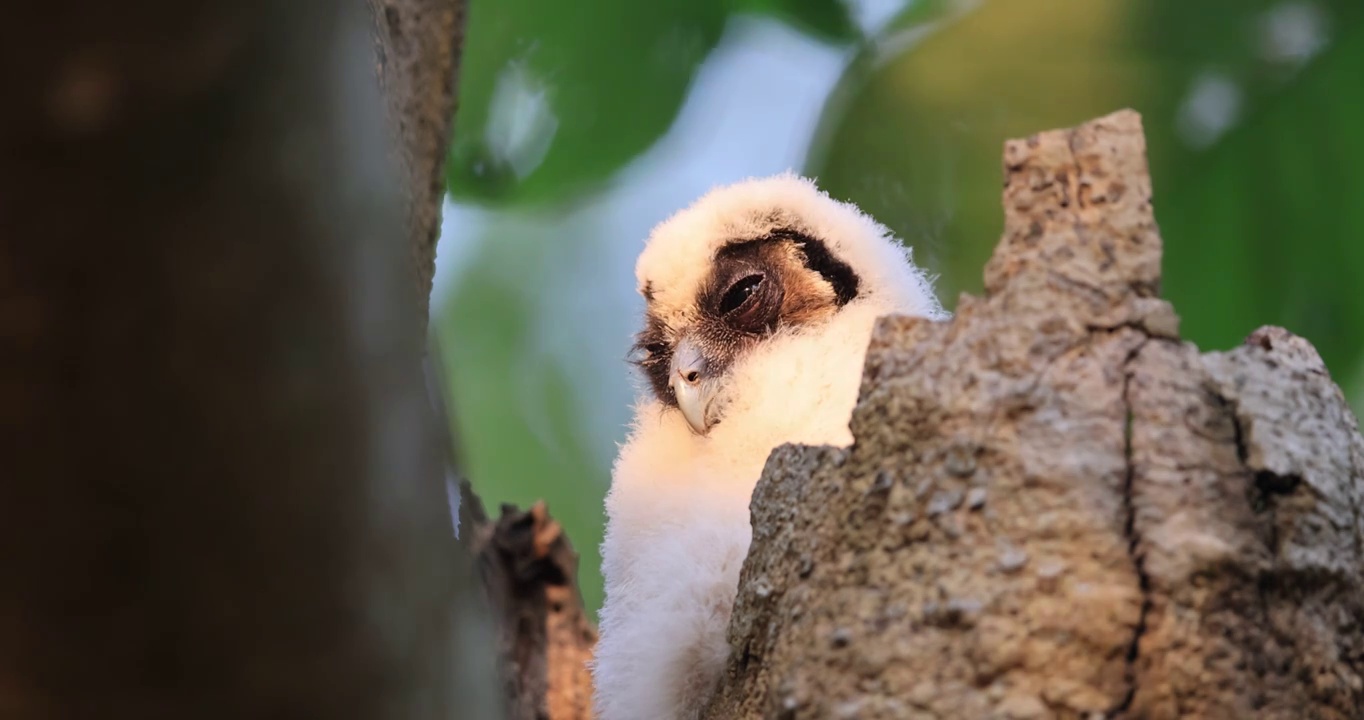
(1261, 224)
(515, 409)
(555, 96)
(1254, 112)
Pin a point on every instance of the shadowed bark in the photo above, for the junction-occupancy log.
(222, 491)
(1054, 508)
(530, 572)
(527, 567)
(418, 45)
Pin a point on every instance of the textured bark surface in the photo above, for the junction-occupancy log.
(545, 639)
(417, 46)
(221, 494)
(1056, 509)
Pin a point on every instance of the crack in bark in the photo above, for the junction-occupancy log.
(1200, 641)
(1358, 478)
(1262, 485)
(1130, 529)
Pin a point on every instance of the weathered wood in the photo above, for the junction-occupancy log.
(1053, 507)
(544, 636)
(1248, 480)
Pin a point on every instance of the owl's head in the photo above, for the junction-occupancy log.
(752, 261)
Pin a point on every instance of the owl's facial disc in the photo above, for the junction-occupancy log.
(694, 386)
(755, 288)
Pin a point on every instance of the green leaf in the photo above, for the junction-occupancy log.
(826, 19)
(513, 406)
(1252, 112)
(1281, 193)
(554, 96)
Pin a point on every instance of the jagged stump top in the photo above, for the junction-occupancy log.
(1052, 508)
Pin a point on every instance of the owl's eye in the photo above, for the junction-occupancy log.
(741, 293)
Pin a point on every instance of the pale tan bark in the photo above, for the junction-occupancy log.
(1056, 508)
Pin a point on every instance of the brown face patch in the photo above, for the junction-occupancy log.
(755, 287)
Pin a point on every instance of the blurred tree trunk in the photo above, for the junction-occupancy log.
(1056, 509)
(526, 564)
(222, 491)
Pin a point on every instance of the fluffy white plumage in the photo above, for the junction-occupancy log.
(677, 512)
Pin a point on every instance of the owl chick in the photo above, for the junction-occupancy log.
(760, 300)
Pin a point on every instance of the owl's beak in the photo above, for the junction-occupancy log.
(693, 386)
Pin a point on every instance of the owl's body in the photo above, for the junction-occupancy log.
(761, 300)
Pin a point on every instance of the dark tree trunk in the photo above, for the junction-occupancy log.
(221, 491)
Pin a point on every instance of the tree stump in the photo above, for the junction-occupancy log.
(1054, 508)
(529, 572)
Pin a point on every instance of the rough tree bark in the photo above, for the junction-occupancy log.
(222, 495)
(417, 46)
(1056, 509)
(525, 562)
(545, 638)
